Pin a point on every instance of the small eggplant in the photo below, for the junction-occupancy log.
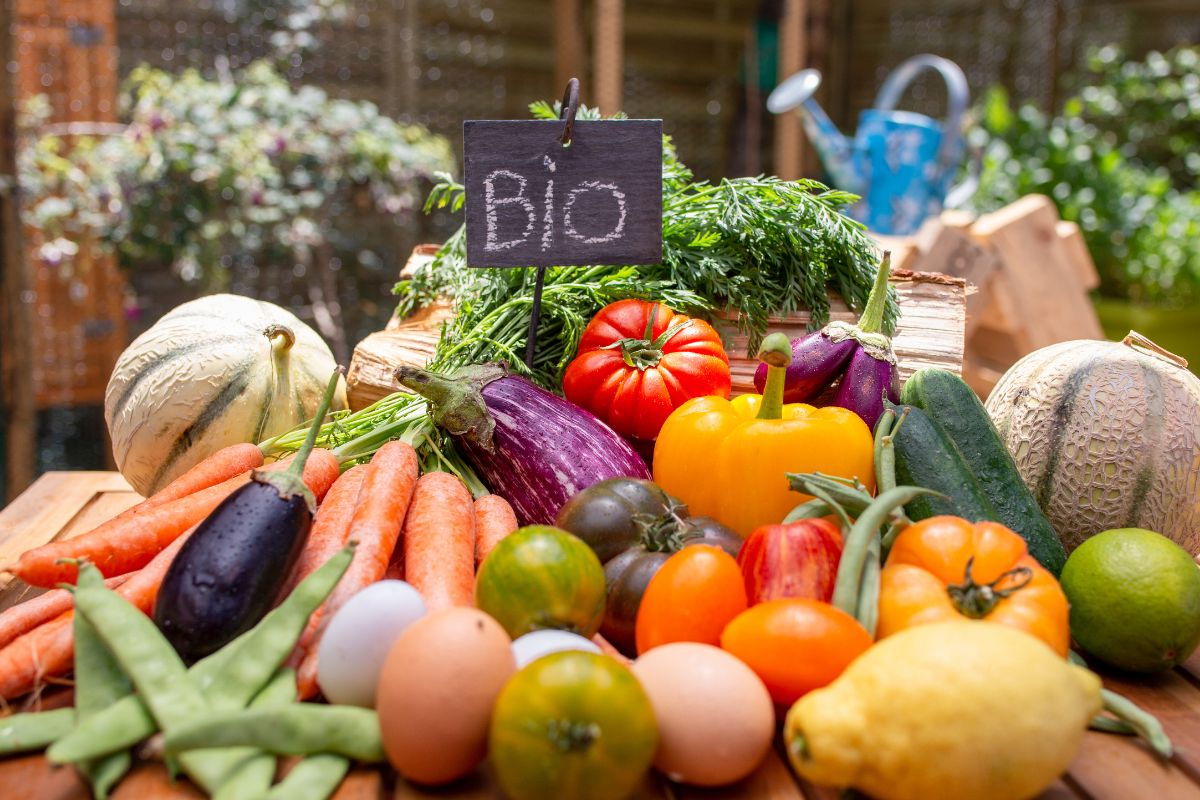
(819, 358)
(817, 361)
(229, 573)
(870, 377)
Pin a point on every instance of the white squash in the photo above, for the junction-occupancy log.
(1106, 435)
(213, 372)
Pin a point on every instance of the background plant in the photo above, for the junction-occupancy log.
(1143, 231)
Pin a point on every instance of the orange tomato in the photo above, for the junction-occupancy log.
(795, 645)
(945, 568)
(691, 598)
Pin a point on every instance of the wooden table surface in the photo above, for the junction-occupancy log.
(64, 504)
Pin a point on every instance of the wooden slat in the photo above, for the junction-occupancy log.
(48, 508)
(1112, 767)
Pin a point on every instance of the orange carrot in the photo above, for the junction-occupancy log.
(395, 570)
(439, 542)
(47, 650)
(330, 525)
(387, 489)
(226, 463)
(24, 617)
(494, 519)
(124, 545)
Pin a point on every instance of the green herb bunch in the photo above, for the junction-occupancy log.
(759, 247)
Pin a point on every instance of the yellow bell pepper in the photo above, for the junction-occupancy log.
(728, 459)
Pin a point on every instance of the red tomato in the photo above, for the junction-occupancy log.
(633, 369)
(795, 645)
(691, 598)
(799, 559)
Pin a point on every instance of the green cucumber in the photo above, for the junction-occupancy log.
(926, 457)
(954, 406)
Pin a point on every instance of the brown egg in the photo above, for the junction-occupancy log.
(436, 692)
(715, 717)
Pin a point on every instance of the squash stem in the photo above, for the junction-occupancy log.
(776, 351)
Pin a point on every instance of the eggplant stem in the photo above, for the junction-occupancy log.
(296, 468)
(871, 320)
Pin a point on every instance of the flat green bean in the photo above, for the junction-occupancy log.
(128, 721)
(297, 730)
(315, 778)
(252, 777)
(272, 640)
(99, 682)
(34, 730)
(157, 672)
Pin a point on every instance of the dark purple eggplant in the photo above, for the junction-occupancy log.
(531, 447)
(817, 361)
(231, 570)
(868, 380)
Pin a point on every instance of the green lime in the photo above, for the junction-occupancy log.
(1135, 599)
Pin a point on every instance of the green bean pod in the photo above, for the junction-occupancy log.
(252, 777)
(128, 721)
(297, 730)
(268, 644)
(315, 778)
(99, 682)
(34, 730)
(858, 544)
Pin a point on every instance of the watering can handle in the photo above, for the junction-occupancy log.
(956, 89)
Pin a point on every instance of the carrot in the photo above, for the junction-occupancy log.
(494, 519)
(395, 570)
(47, 650)
(387, 487)
(607, 648)
(330, 525)
(24, 617)
(439, 542)
(125, 544)
(226, 463)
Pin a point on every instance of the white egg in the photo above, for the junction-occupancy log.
(358, 638)
(532, 646)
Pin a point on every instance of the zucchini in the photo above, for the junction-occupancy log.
(926, 457)
(954, 406)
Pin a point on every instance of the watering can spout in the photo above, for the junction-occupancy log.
(833, 147)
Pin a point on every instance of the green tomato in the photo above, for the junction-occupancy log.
(542, 577)
(572, 726)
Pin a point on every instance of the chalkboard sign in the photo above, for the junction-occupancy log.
(534, 202)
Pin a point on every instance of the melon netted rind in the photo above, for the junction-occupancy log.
(1106, 436)
(206, 376)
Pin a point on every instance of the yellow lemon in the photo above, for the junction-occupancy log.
(948, 710)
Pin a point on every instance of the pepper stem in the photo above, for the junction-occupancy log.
(871, 320)
(776, 352)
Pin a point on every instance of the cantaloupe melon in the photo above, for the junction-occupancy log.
(1106, 435)
(213, 372)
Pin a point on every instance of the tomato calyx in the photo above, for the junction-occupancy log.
(570, 736)
(667, 532)
(644, 353)
(976, 600)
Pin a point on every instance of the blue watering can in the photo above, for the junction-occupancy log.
(901, 163)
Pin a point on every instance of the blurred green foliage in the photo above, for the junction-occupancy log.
(1142, 229)
(206, 171)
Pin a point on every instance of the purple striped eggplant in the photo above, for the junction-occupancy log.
(870, 378)
(531, 447)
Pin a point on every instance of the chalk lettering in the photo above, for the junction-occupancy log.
(492, 213)
(589, 186)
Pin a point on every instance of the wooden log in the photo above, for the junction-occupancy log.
(929, 334)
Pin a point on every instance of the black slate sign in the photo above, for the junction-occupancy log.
(534, 202)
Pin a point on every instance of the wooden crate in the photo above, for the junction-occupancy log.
(929, 334)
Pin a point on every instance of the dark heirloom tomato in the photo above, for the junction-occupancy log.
(638, 361)
(634, 526)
